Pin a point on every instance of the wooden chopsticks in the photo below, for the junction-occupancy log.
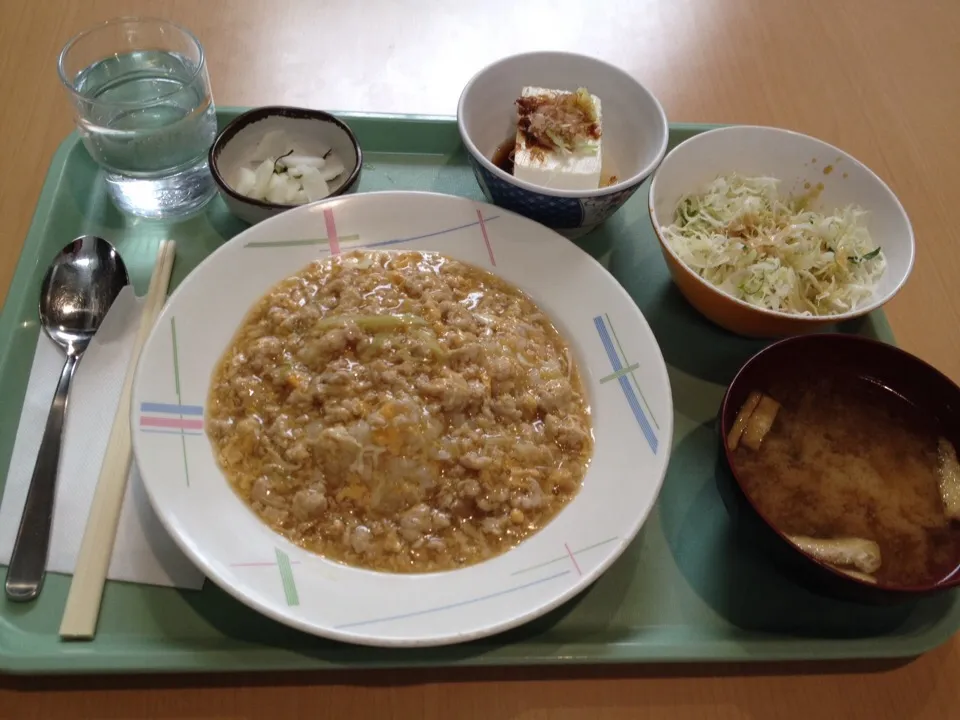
(86, 589)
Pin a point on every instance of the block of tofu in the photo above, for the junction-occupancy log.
(558, 170)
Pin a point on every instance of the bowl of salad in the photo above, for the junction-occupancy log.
(770, 233)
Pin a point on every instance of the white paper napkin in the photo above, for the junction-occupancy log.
(143, 552)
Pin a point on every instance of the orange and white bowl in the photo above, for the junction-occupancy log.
(798, 161)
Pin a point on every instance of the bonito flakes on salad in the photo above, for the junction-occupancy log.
(743, 237)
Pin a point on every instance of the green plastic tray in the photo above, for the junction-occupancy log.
(686, 590)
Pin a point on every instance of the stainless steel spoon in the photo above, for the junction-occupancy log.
(78, 289)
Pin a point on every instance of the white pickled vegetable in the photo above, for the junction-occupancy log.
(262, 179)
(272, 145)
(332, 167)
(283, 173)
(302, 161)
(314, 185)
(293, 189)
(278, 190)
(244, 180)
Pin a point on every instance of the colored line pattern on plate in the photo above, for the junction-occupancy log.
(435, 233)
(573, 559)
(346, 241)
(331, 224)
(633, 377)
(566, 556)
(284, 564)
(171, 419)
(176, 382)
(180, 423)
(169, 432)
(486, 238)
(451, 606)
(298, 243)
(619, 373)
(169, 409)
(604, 329)
(286, 577)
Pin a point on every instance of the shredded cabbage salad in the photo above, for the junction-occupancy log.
(776, 253)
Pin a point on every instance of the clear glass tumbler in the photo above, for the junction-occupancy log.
(143, 107)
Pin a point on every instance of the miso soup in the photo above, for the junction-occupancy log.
(852, 462)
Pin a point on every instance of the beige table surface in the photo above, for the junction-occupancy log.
(879, 78)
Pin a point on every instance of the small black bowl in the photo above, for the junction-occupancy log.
(241, 134)
(853, 359)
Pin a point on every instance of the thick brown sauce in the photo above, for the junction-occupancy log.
(855, 460)
(402, 412)
(503, 156)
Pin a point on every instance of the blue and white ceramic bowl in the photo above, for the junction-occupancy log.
(634, 135)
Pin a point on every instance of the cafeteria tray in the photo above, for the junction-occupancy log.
(685, 590)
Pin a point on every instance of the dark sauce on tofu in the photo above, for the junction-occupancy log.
(855, 460)
(503, 159)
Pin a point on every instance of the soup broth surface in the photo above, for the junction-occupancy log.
(855, 460)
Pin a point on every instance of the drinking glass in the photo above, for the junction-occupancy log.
(142, 106)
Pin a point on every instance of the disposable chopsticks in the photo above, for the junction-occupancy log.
(86, 589)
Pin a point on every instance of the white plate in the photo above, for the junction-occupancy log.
(632, 423)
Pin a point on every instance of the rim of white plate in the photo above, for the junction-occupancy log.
(213, 567)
